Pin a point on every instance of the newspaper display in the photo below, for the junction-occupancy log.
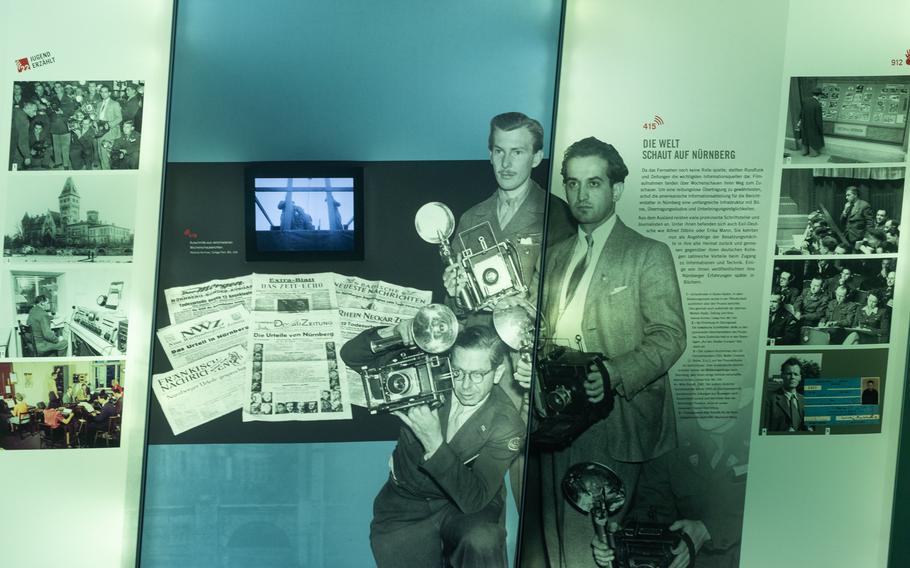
(353, 321)
(187, 342)
(293, 292)
(380, 296)
(294, 369)
(293, 326)
(198, 393)
(190, 302)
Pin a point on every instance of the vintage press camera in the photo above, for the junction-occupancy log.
(596, 489)
(414, 375)
(492, 267)
(563, 409)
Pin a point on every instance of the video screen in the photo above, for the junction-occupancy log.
(295, 218)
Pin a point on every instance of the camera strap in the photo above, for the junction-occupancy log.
(691, 546)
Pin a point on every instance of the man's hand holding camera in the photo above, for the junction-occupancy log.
(695, 530)
(424, 422)
(454, 278)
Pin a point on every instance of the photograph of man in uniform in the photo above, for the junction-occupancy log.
(616, 290)
(444, 498)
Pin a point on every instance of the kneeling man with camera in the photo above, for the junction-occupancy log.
(444, 498)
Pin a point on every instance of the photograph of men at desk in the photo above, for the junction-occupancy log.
(71, 313)
(57, 405)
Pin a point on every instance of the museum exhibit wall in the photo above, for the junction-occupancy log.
(702, 122)
(87, 499)
(703, 100)
(406, 95)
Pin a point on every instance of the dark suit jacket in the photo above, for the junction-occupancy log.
(857, 221)
(776, 414)
(469, 470)
(870, 396)
(19, 148)
(811, 115)
(633, 314)
(782, 327)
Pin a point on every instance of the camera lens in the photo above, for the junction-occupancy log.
(490, 276)
(398, 383)
(558, 399)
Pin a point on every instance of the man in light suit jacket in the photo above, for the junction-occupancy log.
(856, 216)
(616, 290)
(108, 112)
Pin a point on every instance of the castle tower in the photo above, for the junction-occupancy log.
(92, 217)
(69, 203)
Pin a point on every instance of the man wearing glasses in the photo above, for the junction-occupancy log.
(444, 498)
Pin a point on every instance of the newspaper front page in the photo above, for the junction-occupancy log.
(189, 302)
(187, 342)
(203, 391)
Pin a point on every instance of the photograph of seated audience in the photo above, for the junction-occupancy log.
(824, 301)
(59, 405)
(76, 125)
(827, 211)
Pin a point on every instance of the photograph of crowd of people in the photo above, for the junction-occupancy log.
(847, 120)
(827, 211)
(61, 404)
(76, 125)
(64, 312)
(831, 301)
(62, 219)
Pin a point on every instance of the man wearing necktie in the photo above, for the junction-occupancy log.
(856, 217)
(613, 291)
(108, 112)
(444, 498)
(785, 409)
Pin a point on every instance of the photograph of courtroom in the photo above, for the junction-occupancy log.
(61, 404)
(833, 211)
(847, 120)
(831, 301)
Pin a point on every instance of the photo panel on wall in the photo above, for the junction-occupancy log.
(76, 125)
(62, 310)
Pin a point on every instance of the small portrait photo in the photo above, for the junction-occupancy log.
(291, 407)
(280, 408)
(256, 398)
(76, 125)
(267, 397)
(846, 120)
(265, 408)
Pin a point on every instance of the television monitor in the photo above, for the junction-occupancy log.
(304, 211)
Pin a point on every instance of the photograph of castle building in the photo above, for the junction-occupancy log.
(57, 219)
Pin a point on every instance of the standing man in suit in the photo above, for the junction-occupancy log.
(515, 210)
(20, 151)
(617, 291)
(812, 127)
(856, 217)
(444, 498)
(785, 409)
(110, 115)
